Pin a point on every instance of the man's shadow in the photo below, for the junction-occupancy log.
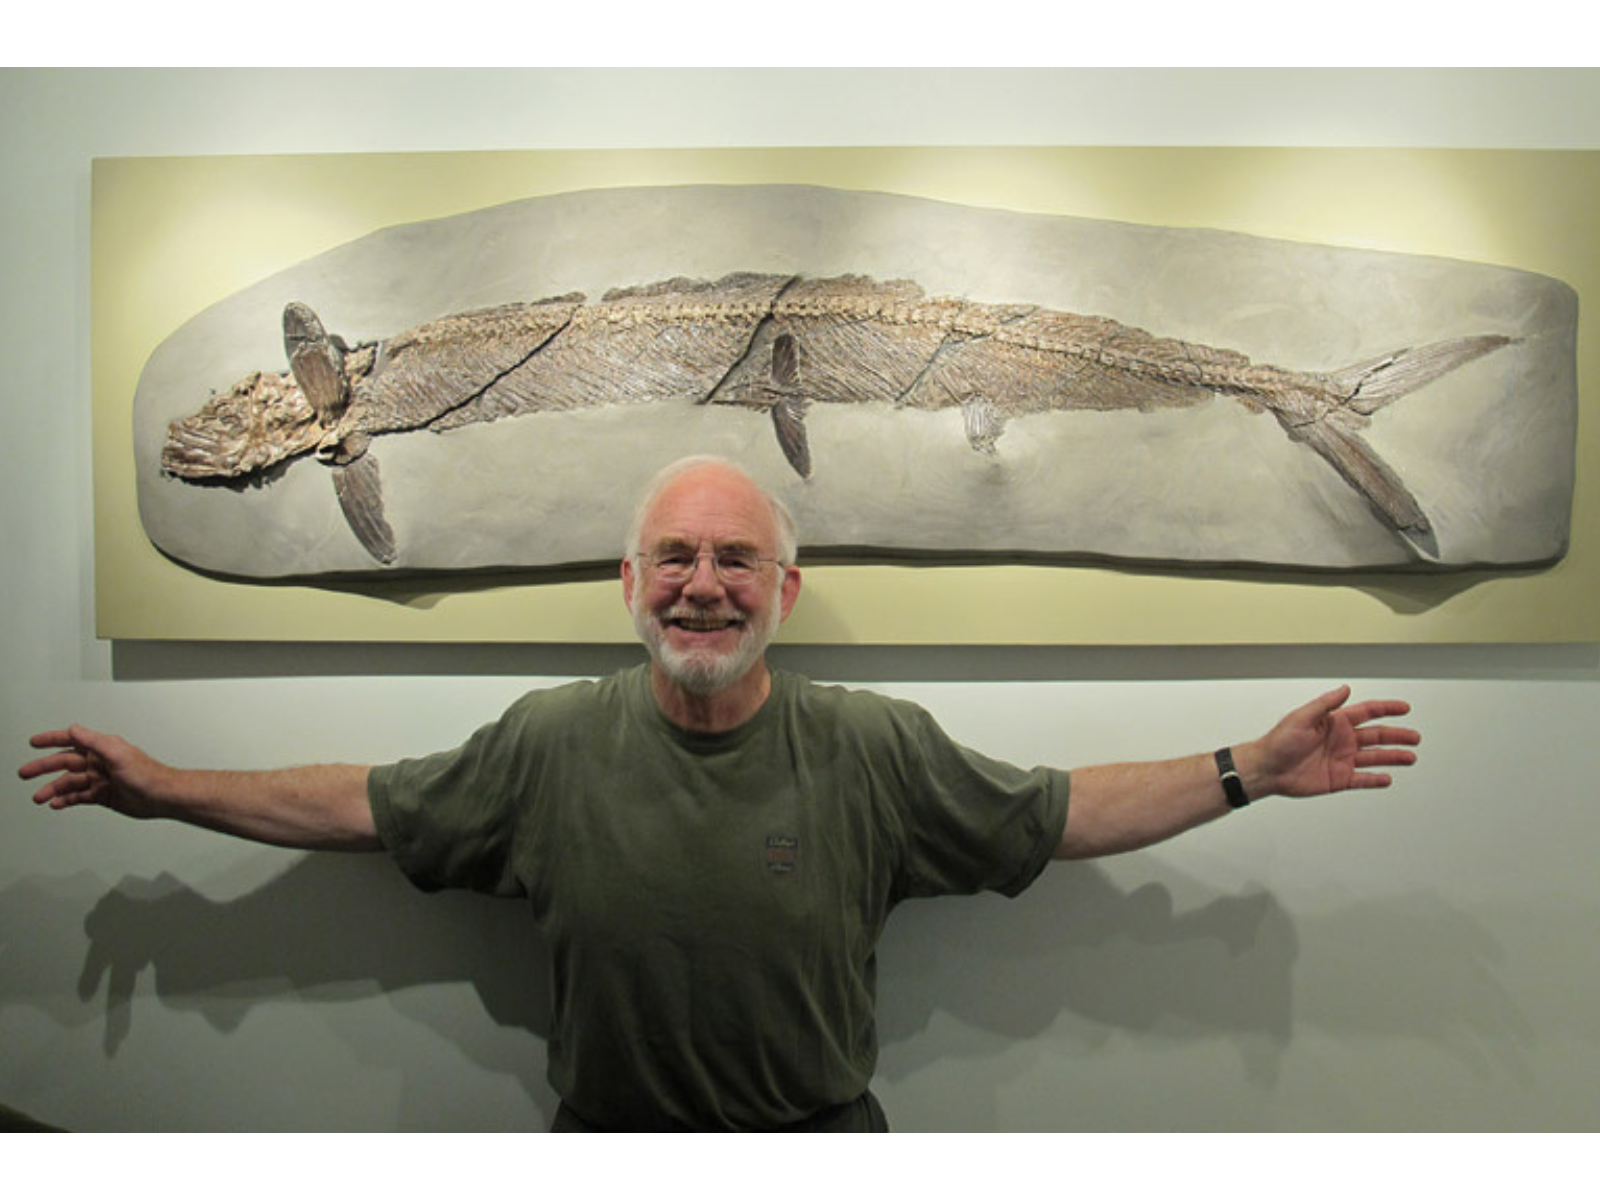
(1079, 943)
(1083, 957)
(329, 928)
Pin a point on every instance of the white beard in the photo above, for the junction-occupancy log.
(706, 672)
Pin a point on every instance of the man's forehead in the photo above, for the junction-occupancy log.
(715, 506)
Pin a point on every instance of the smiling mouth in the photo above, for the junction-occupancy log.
(700, 622)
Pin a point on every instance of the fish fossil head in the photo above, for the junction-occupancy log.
(262, 420)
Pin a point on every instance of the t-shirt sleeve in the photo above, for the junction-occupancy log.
(973, 823)
(451, 820)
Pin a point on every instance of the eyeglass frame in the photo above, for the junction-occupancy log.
(682, 574)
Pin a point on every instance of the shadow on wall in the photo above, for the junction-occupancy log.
(1112, 959)
(1084, 956)
(330, 928)
(1079, 944)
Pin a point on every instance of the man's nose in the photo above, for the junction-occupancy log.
(705, 580)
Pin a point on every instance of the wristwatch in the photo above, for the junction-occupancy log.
(1232, 785)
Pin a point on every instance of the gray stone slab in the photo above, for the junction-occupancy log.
(1488, 450)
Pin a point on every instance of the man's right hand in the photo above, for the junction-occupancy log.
(320, 807)
(95, 768)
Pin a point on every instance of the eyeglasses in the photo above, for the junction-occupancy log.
(734, 565)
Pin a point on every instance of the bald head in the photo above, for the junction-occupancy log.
(712, 471)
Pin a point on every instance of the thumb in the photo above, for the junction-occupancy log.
(1328, 702)
(92, 741)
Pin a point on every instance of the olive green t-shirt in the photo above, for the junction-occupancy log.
(713, 902)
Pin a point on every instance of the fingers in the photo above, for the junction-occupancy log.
(1370, 780)
(1359, 716)
(1381, 748)
(75, 739)
(52, 738)
(1385, 758)
(69, 789)
(77, 782)
(52, 764)
(1370, 710)
(1387, 735)
(79, 737)
(72, 778)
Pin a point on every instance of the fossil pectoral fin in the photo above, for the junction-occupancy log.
(316, 360)
(985, 423)
(1348, 454)
(360, 493)
(789, 419)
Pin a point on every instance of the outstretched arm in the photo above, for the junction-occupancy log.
(1323, 746)
(310, 808)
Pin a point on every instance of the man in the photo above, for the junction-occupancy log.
(712, 847)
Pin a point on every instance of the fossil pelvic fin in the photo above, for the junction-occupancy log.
(985, 423)
(360, 492)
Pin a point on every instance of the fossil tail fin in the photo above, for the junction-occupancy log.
(1366, 387)
(1370, 385)
(1349, 454)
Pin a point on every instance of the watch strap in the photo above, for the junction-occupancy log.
(1232, 785)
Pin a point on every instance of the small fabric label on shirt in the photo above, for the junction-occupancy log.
(782, 853)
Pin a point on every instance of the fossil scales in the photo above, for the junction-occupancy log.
(778, 344)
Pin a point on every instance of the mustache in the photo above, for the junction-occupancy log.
(696, 612)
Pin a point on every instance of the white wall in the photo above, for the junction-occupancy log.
(1419, 959)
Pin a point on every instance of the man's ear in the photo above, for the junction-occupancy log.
(791, 591)
(627, 583)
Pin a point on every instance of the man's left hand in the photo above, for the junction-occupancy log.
(1324, 746)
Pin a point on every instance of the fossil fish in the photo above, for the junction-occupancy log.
(773, 343)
